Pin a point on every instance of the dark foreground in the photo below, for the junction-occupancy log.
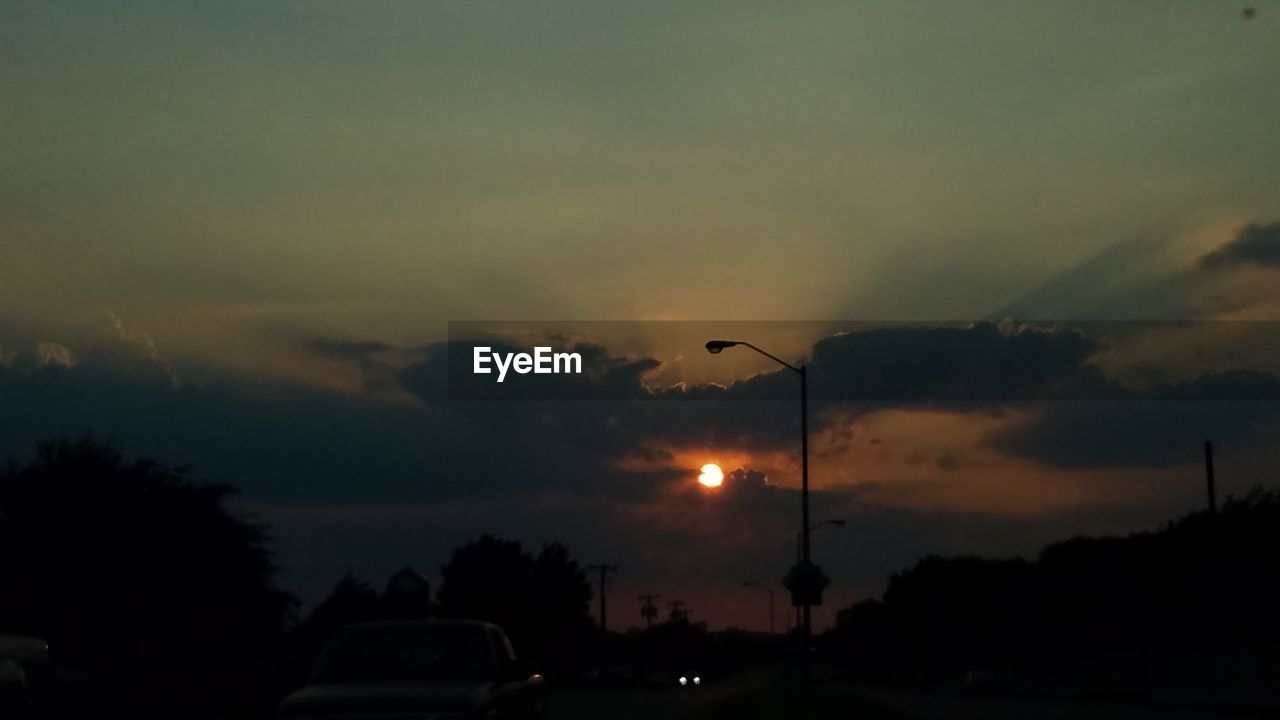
(761, 694)
(756, 695)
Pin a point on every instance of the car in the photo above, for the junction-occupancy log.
(663, 680)
(444, 670)
(690, 680)
(24, 676)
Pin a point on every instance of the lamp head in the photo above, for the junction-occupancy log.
(715, 346)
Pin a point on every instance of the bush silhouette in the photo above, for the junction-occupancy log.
(136, 573)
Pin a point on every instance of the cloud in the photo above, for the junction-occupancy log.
(978, 365)
(1161, 427)
(747, 477)
(52, 354)
(1079, 415)
(951, 365)
(360, 350)
(1254, 245)
(380, 364)
(104, 347)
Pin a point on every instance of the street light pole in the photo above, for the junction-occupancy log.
(800, 547)
(715, 347)
(804, 486)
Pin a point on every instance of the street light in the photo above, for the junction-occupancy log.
(805, 580)
(835, 522)
(766, 588)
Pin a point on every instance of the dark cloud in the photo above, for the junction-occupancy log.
(748, 476)
(1161, 427)
(359, 350)
(979, 365)
(596, 420)
(1080, 418)
(379, 363)
(957, 365)
(1254, 245)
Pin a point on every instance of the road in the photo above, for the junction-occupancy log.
(943, 707)
(674, 703)
(755, 695)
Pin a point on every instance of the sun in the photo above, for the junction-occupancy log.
(712, 476)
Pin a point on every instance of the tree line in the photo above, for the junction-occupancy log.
(1204, 580)
(162, 598)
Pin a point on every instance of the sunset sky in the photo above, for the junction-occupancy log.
(233, 235)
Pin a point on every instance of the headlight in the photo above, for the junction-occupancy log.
(684, 680)
(697, 680)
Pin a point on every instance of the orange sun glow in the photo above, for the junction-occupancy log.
(712, 476)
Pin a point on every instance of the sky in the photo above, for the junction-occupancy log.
(234, 235)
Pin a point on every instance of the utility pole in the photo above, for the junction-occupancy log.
(1208, 474)
(677, 611)
(604, 605)
(648, 611)
(1212, 573)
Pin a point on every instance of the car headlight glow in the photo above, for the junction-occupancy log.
(684, 680)
(697, 680)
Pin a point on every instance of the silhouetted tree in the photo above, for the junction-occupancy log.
(541, 601)
(962, 609)
(1202, 580)
(130, 569)
(676, 646)
(863, 636)
(351, 601)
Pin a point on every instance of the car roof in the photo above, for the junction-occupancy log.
(478, 624)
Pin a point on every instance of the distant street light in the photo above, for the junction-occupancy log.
(766, 588)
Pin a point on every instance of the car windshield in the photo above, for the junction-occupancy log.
(425, 653)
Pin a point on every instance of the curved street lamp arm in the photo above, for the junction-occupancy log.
(773, 357)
